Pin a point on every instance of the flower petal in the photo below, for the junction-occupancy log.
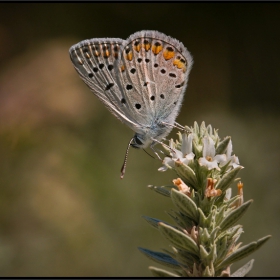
(235, 159)
(163, 168)
(208, 147)
(177, 155)
(169, 162)
(186, 143)
(190, 156)
(228, 194)
(220, 158)
(229, 149)
(209, 164)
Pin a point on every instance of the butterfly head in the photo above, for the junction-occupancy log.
(140, 141)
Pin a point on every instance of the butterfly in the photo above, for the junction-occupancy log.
(140, 80)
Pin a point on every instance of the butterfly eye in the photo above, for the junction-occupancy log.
(138, 141)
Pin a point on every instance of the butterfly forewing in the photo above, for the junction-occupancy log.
(97, 61)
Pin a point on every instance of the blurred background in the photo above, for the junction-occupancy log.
(64, 211)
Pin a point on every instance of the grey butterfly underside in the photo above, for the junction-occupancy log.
(141, 80)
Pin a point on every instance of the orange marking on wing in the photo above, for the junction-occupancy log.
(156, 48)
(180, 63)
(106, 54)
(146, 46)
(96, 53)
(129, 56)
(137, 47)
(168, 54)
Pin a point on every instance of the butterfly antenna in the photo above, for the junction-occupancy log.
(125, 158)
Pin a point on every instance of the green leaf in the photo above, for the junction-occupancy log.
(180, 137)
(202, 129)
(160, 258)
(209, 129)
(209, 271)
(208, 221)
(243, 252)
(187, 258)
(225, 168)
(196, 128)
(242, 271)
(172, 254)
(208, 257)
(178, 238)
(205, 204)
(161, 190)
(185, 204)
(186, 173)
(204, 235)
(235, 232)
(157, 272)
(222, 247)
(203, 253)
(181, 219)
(225, 241)
(232, 201)
(221, 213)
(196, 149)
(153, 222)
(214, 234)
(235, 215)
(227, 179)
(223, 146)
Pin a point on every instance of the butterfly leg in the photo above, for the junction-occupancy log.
(156, 151)
(152, 147)
(159, 142)
(179, 126)
(176, 125)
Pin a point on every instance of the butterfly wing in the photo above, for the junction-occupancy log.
(97, 61)
(154, 75)
(141, 80)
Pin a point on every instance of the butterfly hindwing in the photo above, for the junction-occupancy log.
(155, 70)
